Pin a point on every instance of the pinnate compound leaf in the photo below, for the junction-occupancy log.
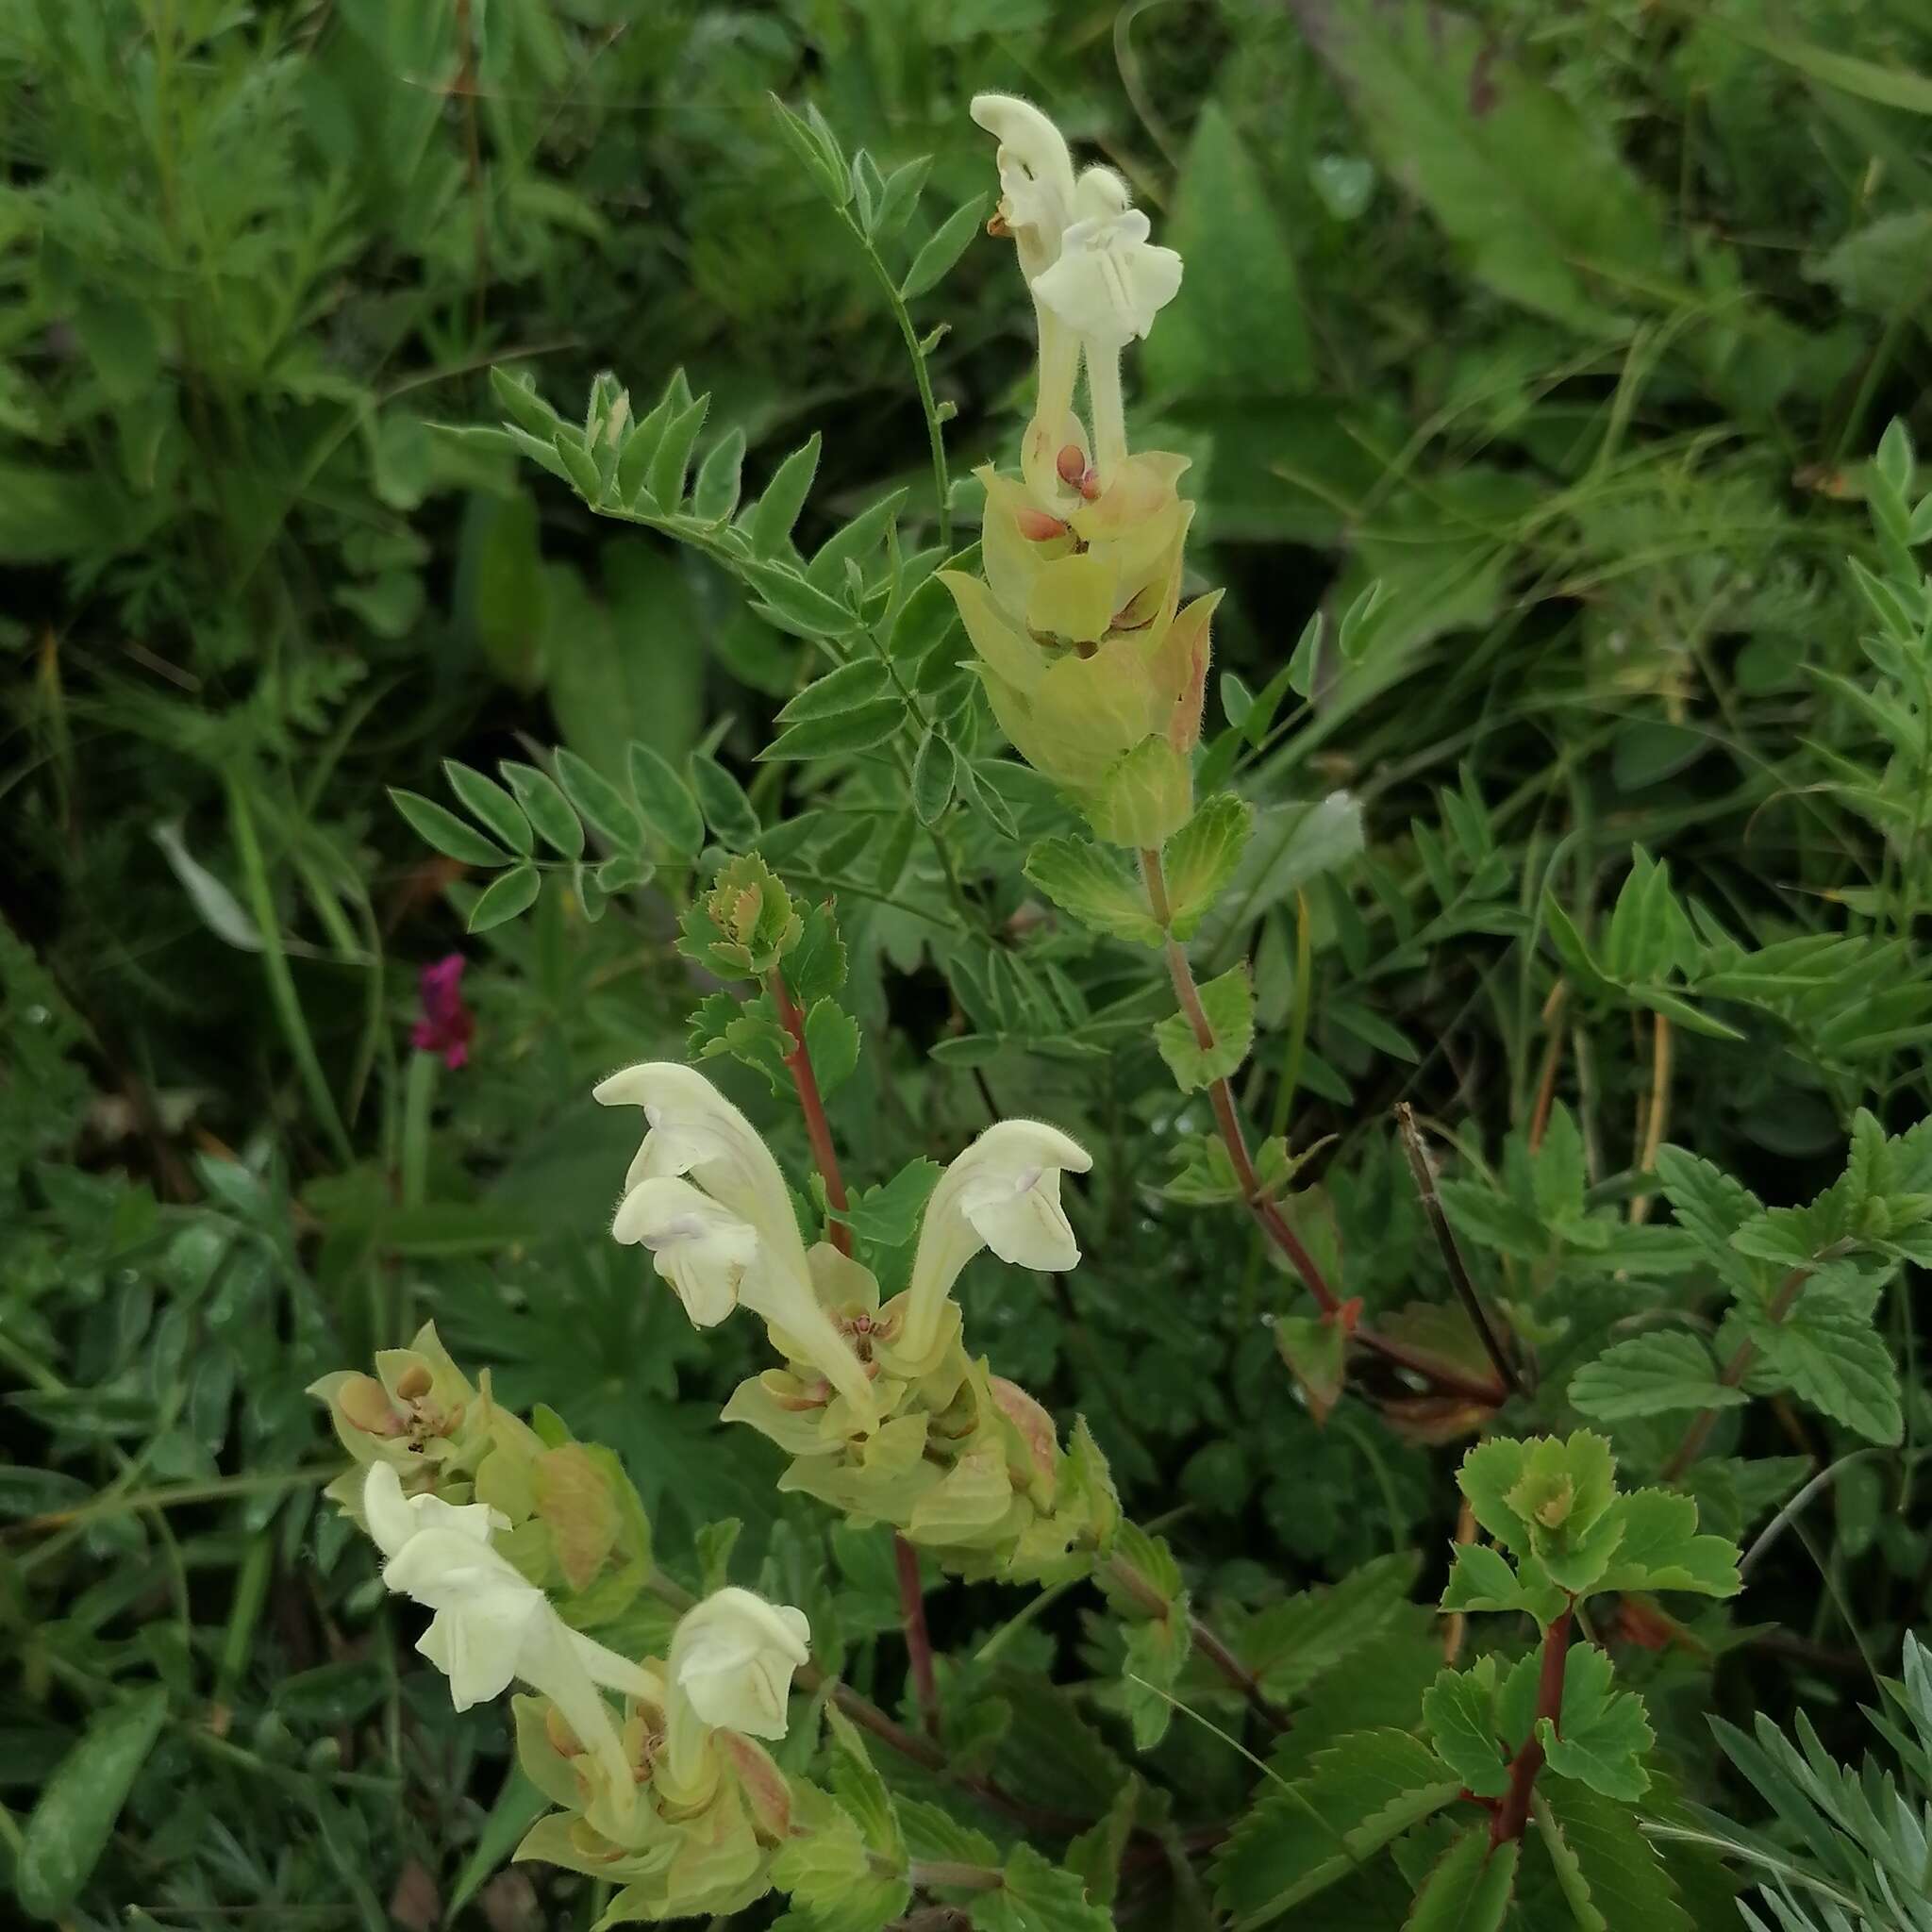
(1609, 1872)
(546, 807)
(1228, 1003)
(1468, 1889)
(666, 801)
(490, 804)
(1366, 1789)
(1459, 1708)
(777, 508)
(506, 898)
(1660, 1548)
(1097, 888)
(942, 248)
(441, 829)
(1652, 1374)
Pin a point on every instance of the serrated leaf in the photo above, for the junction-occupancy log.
(1605, 1734)
(1607, 1870)
(1357, 1795)
(1201, 857)
(440, 827)
(1229, 1004)
(1832, 1358)
(598, 801)
(1651, 1374)
(490, 803)
(777, 508)
(1038, 1896)
(1468, 1889)
(1660, 1548)
(831, 1038)
(727, 809)
(942, 248)
(546, 807)
(1459, 1708)
(1290, 846)
(504, 899)
(1143, 799)
(1096, 888)
(841, 735)
(1481, 1579)
(826, 1869)
(888, 1216)
(665, 800)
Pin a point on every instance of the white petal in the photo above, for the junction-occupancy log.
(732, 1657)
(1004, 1193)
(703, 1250)
(694, 1130)
(385, 1509)
(477, 1646)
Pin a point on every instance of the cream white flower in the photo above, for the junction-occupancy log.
(492, 1625)
(703, 1250)
(727, 1234)
(1003, 1193)
(1108, 282)
(732, 1657)
(1036, 176)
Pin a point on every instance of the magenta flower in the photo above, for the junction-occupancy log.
(446, 1025)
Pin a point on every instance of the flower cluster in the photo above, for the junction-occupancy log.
(667, 1794)
(884, 1414)
(1092, 664)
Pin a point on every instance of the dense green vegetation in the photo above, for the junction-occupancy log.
(1552, 862)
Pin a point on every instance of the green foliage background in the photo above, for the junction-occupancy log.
(1571, 325)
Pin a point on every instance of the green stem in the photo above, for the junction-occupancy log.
(275, 962)
(934, 430)
(1442, 1378)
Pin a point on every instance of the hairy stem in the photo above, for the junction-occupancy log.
(818, 1129)
(1512, 1814)
(918, 1642)
(1205, 1640)
(1268, 1216)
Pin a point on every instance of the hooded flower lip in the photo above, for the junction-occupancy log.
(1003, 1193)
(1035, 172)
(491, 1622)
(727, 1234)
